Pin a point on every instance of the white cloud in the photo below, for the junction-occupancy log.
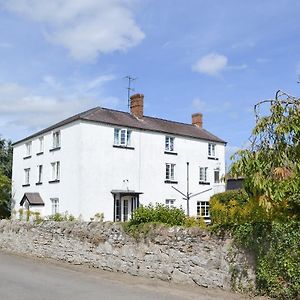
(214, 64)
(86, 28)
(211, 64)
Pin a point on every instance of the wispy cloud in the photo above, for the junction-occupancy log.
(262, 60)
(86, 28)
(5, 45)
(33, 109)
(203, 106)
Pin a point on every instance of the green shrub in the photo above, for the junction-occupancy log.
(28, 214)
(98, 217)
(236, 207)
(21, 214)
(37, 217)
(57, 217)
(158, 214)
(195, 222)
(276, 247)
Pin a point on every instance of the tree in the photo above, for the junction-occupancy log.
(6, 154)
(5, 196)
(6, 151)
(271, 165)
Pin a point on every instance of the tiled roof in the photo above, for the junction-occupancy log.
(119, 118)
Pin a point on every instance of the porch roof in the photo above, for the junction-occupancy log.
(33, 199)
(126, 192)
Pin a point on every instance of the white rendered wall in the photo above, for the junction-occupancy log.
(91, 168)
(68, 189)
(104, 168)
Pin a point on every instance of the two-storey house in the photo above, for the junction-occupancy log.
(110, 161)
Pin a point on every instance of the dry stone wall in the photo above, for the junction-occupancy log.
(189, 256)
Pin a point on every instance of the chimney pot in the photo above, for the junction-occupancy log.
(137, 105)
(197, 119)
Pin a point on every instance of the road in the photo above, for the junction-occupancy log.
(36, 279)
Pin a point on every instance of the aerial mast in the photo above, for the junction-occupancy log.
(129, 88)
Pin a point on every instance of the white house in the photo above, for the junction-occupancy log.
(109, 161)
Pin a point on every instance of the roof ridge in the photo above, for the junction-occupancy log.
(150, 117)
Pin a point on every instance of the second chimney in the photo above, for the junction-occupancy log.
(137, 105)
(197, 120)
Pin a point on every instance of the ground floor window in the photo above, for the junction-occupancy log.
(203, 209)
(170, 202)
(55, 205)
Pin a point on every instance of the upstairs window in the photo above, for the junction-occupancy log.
(28, 147)
(41, 144)
(203, 174)
(211, 150)
(169, 143)
(56, 139)
(170, 171)
(40, 174)
(122, 137)
(55, 175)
(217, 175)
(27, 176)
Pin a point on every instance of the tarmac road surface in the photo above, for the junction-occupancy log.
(23, 278)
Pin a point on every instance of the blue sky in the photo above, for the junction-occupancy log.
(215, 57)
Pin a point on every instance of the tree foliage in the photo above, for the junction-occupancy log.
(5, 177)
(271, 165)
(271, 171)
(6, 153)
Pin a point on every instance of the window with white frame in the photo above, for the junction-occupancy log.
(169, 143)
(122, 137)
(217, 175)
(41, 144)
(203, 174)
(170, 171)
(211, 150)
(203, 209)
(40, 174)
(28, 149)
(170, 203)
(55, 205)
(27, 176)
(56, 139)
(55, 173)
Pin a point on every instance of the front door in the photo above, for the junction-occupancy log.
(124, 206)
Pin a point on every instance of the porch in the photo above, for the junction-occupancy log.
(125, 203)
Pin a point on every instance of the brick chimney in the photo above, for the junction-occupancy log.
(137, 105)
(197, 119)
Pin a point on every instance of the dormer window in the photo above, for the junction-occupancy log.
(122, 137)
(211, 150)
(56, 139)
(169, 144)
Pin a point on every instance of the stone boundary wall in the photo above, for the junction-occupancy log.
(188, 256)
